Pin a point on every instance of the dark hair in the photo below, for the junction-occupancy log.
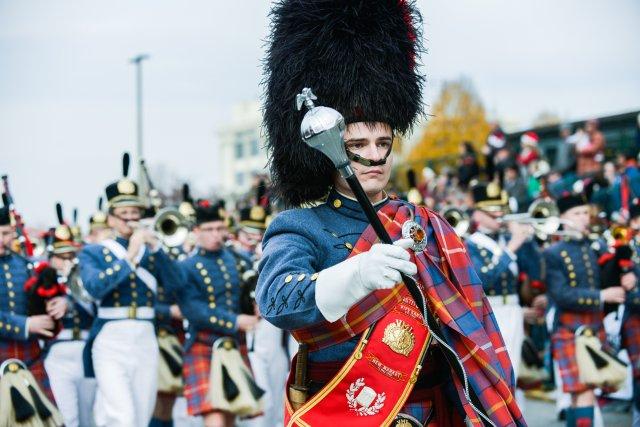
(468, 147)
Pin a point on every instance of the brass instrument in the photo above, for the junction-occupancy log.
(171, 227)
(618, 234)
(543, 216)
(75, 285)
(458, 219)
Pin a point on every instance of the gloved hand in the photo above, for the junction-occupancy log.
(340, 286)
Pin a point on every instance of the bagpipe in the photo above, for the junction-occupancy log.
(22, 402)
(25, 244)
(41, 288)
(248, 292)
(616, 262)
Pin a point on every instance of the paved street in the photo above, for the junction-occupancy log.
(542, 414)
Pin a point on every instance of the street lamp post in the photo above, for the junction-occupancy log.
(137, 60)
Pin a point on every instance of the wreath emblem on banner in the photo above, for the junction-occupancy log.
(365, 402)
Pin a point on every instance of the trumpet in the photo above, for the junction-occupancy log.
(542, 215)
(169, 225)
(458, 219)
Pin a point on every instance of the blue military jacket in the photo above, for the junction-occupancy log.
(15, 270)
(298, 244)
(113, 283)
(210, 295)
(495, 274)
(166, 295)
(573, 275)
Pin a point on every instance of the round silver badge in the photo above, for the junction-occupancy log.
(414, 231)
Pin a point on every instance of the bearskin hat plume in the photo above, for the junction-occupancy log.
(359, 57)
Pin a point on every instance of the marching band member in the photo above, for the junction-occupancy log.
(19, 334)
(499, 259)
(122, 274)
(74, 393)
(210, 301)
(573, 283)
(364, 335)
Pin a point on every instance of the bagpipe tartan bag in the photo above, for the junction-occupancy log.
(232, 387)
(596, 366)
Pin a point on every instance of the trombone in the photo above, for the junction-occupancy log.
(544, 217)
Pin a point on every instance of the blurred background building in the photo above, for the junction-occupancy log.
(241, 157)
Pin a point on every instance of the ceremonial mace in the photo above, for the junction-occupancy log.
(322, 128)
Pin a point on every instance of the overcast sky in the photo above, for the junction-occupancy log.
(67, 90)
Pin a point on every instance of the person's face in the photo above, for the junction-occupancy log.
(62, 262)
(120, 218)
(591, 126)
(210, 235)
(577, 218)
(373, 142)
(488, 220)
(510, 174)
(249, 240)
(7, 235)
(99, 234)
(634, 223)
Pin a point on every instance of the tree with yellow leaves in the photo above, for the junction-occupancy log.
(457, 116)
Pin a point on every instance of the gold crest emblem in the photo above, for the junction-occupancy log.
(399, 337)
(257, 213)
(63, 233)
(493, 190)
(126, 186)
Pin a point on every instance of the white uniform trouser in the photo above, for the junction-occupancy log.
(73, 392)
(511, 323)
(510, 320)
(270, 368)
(125, 361)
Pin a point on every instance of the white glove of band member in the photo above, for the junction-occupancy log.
(341, 286)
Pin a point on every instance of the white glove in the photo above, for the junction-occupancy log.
(341, 286)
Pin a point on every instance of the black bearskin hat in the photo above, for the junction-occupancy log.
(359, 57)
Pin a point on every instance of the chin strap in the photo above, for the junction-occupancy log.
(368, 162)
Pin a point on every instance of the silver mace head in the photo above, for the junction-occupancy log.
(323, 128)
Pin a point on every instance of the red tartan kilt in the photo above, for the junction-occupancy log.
(563, 343)
(39, 373)
(631, 341)
(196, 371)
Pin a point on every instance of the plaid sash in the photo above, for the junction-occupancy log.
(455, 295)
